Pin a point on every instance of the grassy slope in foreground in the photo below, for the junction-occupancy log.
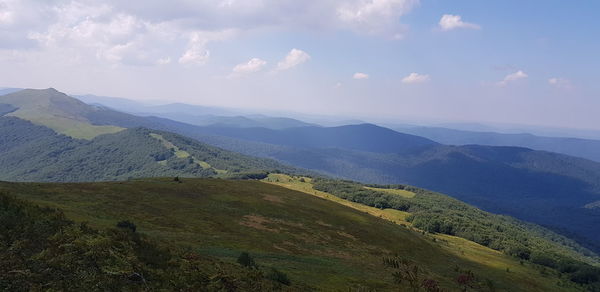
(519, 239)
(315, 241)
(41, 250)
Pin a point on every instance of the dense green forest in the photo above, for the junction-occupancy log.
(34, 153)
(6, 108)
(437, 213)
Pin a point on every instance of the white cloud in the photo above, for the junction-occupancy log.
(380, 17)
(254, 65)
(196, 52)
(163, 61)
(359, 75)
(450, 22)
(6, 15)
(415, 78)
(126, 32)
(87, 31)
(561, 83)
(294, 58)
(513, 77)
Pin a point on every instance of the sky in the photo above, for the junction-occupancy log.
(498, 61)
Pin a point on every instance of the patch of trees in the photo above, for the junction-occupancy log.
(6, 108)
(436, 213)
(248, 175)
(247, 261)
(409, 273)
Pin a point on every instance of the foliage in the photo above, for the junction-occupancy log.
(257, 175)
(247, 261)
(406, 271)
(436, 213)
(316, 242)
(35, 153)
(6, 108)
(41, 250)
(535, 186)
(126, 224)
(278, 276)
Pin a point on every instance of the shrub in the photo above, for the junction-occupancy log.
(586, 275)
(126, 224)
(246, 260)
(278, 276)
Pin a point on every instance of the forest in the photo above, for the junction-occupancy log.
(436, 213)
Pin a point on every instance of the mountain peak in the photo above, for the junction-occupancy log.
(47, 99)
(47, 90)
(51, 89)
(56, 110)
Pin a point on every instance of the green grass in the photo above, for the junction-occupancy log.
(457, 246)
(402, 193)
(184, 154)
(312, 239)
(55, 110)
(69, 127)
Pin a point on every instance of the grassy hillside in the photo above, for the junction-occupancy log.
(314, 241)
(442, 216)
(41, 250)
(57, 111)
(541, 187)
(34, 153)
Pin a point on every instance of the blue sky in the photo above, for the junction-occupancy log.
(526, 62)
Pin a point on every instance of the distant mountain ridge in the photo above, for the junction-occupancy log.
(584, 148)
(364, 137)
(194, 114)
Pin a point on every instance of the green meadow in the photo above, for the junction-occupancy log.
(315, 240)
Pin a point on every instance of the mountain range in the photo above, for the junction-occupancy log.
(551, 189)
(48, 136)
(543, 187)
(578, 147)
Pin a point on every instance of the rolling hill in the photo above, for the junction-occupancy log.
(53, 109)
(194, 114)
(318, 243)
(37, 143)
(30, 152)
(366, 137)
(542, 187)
(554, 190)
